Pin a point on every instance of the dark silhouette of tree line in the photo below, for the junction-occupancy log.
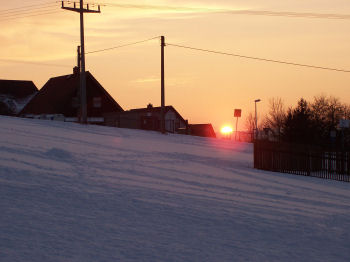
(315, 123)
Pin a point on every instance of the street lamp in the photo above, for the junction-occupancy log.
(256, 119)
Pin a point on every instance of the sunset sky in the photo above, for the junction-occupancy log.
(203, 87)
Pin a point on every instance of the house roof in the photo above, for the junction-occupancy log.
(17, 88)
(56, 95)
(206, 130)
(157, 110)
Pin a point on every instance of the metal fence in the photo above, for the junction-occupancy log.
(328, 163)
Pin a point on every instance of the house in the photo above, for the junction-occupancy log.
(14, 95)
(59, 99)
(147, 118)
(205, 130)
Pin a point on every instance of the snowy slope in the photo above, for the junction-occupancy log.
(89, 193)
(15, 105)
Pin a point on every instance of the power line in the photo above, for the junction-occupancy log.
(32, 63)
(288, 14)
(260, 59)
(19, 12)
(81, 60)
(194, 9)
(93, 4)
(38, 14)
(156, 7)
(285, 14)
(225, 53)
(115, 47)
(28, 6)
(231, 11)
(28, 12)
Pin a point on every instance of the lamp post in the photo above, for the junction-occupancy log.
(256, 119)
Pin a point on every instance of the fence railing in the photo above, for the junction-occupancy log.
(328, 163)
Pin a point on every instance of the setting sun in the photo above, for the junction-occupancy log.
(226, 130)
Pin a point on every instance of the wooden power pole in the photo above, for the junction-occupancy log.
(162, 109)
(81, 10)
(78, 58)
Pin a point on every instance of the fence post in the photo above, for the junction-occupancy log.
(302, 160)
(308, 161)
(255, 155)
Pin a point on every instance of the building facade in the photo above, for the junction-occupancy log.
(60, 99)
(148, 118)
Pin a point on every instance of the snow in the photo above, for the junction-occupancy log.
(90, 193)
(15, 105)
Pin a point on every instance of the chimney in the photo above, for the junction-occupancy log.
(76, 70)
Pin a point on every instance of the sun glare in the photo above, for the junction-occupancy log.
(226, 130)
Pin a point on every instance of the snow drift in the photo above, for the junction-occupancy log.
(90, 193)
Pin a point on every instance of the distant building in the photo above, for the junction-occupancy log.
(147, 118)
(59, 99)
(14, 95)
(245, 136)
(205, 130)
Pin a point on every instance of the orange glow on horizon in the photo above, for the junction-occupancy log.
(226, 130)
(131, 75)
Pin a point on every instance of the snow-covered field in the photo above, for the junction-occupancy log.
(89, 193)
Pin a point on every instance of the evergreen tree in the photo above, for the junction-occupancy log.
(298, 125)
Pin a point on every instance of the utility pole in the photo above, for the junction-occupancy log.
(237, 114)
(81, 10)
(77, 72)
(236, 128)
(256, 133)
(162, 109)
(78, 58)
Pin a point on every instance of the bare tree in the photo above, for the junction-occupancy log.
(335, 111)
(328, 110)
(276, 116)
(250, 122)
(346, 109)
(319, 107)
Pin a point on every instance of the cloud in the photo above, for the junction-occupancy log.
(146, 80)
(170, 81)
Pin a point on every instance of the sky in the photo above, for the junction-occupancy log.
(203, 87)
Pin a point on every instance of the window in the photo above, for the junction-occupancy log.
(97, 102)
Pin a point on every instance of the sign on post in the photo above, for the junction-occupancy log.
(238, 112)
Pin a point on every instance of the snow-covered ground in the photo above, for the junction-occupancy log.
(15, 105)
(89, 193)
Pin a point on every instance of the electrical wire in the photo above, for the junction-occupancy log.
(39, 14)
(28, 6)
(191, 9)
(39, 9)
(33, 63)
(89, 3)
(115, 47)
(156, 7)
(288, 14)
(29, 12)
(260, 59)
(18, 12)
(231, 11)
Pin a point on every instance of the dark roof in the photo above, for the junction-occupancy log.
(17, 88)
(205, 130)
(157, 110)
(57, 94)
